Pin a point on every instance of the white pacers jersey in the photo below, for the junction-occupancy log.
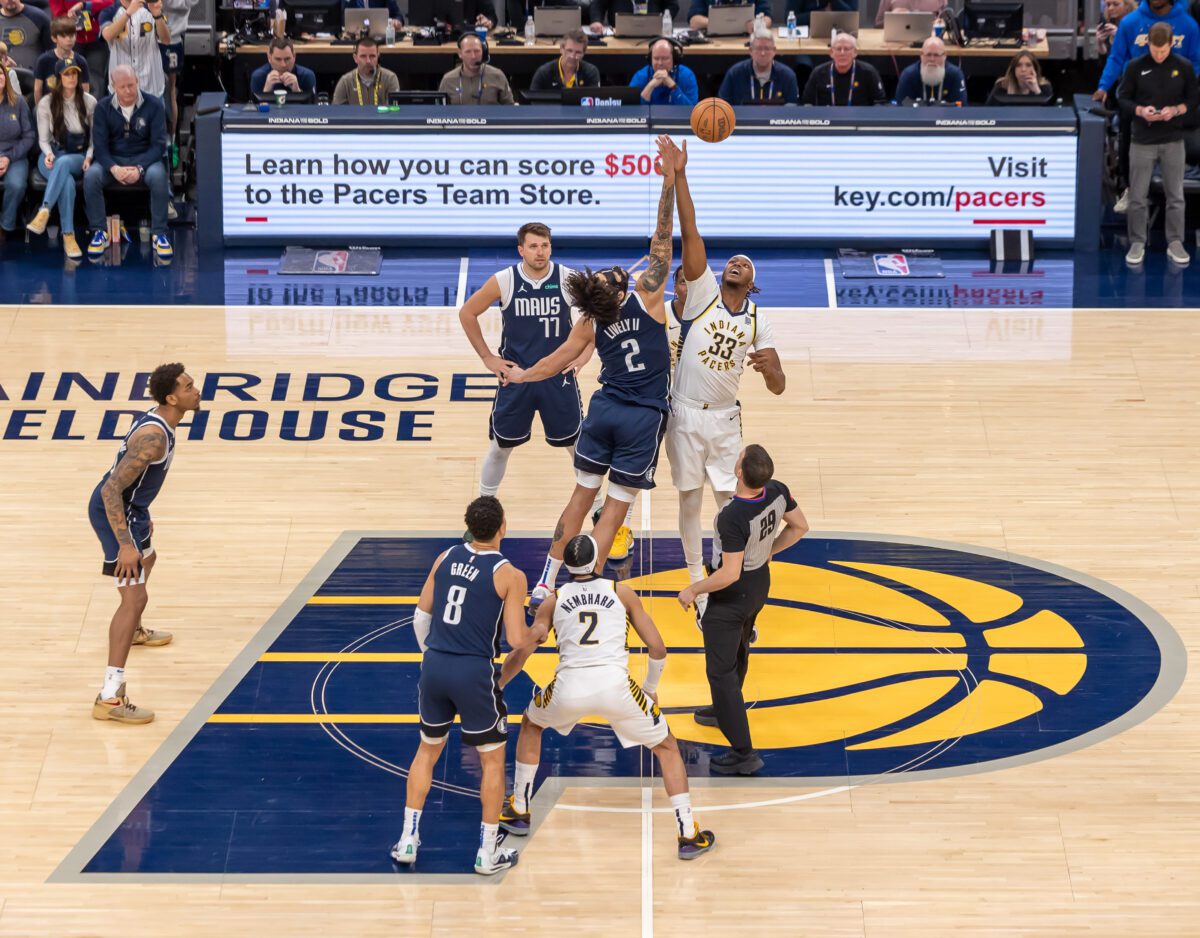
(713, 343)
(590, 625)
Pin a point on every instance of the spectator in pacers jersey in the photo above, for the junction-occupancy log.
(474, 81)
(844, 81)
(569, 69)
(369, 84)
(760, 79)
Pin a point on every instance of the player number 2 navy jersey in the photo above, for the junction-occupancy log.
(635, 357)
(467, 613)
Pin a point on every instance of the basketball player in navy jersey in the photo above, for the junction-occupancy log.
(536, 312)
(627, 417)
(471, 593)
(119, 511)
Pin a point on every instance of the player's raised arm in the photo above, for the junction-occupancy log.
(476, 305)
(423, 614)
(654, 281)
(582, 333)
(695, 256)
(148, 445)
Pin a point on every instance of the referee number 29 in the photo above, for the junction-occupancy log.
(767, 525)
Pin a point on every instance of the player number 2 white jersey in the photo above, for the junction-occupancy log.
(590, 625)
(713, 343)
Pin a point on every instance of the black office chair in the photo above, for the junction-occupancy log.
(25, 80)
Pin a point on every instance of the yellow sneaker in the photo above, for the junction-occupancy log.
(71, 246)
(38, 225)
(622, 545)
(151, 637)
(120, 710)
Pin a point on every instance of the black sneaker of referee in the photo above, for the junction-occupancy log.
(737, 762)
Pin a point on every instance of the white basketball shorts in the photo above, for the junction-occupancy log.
(578, 693)
(703, 442)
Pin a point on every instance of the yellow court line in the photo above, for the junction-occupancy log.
(326, 718)
(363, 600)
(365, 657)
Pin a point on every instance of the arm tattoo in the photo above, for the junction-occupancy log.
(660, 247)
(143, 449)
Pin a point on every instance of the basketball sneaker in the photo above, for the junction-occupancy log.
(733, 762)
(405, 850)
(120, 710)
(151, 637)
(622, 545)
(540, 594)
(512, 820)
(705, 716)
(698, 843)
(499, 861)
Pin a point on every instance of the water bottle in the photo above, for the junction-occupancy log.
(389, 34)
(668, 26)
(530, 33)
(366, 29)
(791, 24)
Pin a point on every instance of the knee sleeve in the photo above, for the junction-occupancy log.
(589, 480)
(621, 493)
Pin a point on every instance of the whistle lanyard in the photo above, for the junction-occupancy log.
(374, 90)
(938, 96)
(764, 91)
(562, 79)
(850, 93)
(478, 94)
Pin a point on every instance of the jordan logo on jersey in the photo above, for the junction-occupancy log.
(725, 338)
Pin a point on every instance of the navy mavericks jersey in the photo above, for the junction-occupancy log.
(635, 356)
(141, 491)
(467, 613)
(536, 313)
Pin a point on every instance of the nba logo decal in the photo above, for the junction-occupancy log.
(330, 262)
(891, 265)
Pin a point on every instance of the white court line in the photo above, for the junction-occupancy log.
(461, 295)
(646, 513)
(647, 862)
(830, 286)
(710, 807)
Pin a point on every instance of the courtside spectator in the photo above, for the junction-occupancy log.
(129, 135)
(1021, 81)
(760, 79)
(844, 80)
(26, 31)
(664, 80)
(178, 14)
(282, 71)
(569, 69)
(133, 30)
(64, 119)
(907, 6)
(368, 85)
(1155, 94)
(63, 34)
(1106, 29)
(16, 140)
(88, 43)
(932, 80)
(474, 81)
(698, 14)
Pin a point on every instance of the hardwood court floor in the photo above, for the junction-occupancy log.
(1068, 436)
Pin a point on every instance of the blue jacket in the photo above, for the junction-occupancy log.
(686, 90)
(17, 131)
(306, 78)
(741, 85)
(146, 140)
(953, 90)
(1132, 39)
(700, 7)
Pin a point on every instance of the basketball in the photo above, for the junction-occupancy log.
(712, 120)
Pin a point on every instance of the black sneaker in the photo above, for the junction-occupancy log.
(733, 762)
(692, 847)
(705, 716)
(512, 820)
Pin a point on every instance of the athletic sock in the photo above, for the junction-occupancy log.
(412, 820)
(488, 833)
(685, 824)
(523, 785)
(113, 679)
(550, 571)
(628, 522)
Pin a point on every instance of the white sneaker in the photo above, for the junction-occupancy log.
(1177, 255)
(1122, 204)
(405, 850)
(1136, 254)
(540, 594)
(498, 862)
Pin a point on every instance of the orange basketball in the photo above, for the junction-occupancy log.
(712, 120)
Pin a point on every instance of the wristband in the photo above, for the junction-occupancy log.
(421, 622)
(654, 670)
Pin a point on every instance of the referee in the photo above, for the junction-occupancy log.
(744, 540)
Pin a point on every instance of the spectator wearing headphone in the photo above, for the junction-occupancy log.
(760, 79)
(474, 81)
(664, 80)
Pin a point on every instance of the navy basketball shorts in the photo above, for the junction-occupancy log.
(139, 529)
(556, 400)
(622, 439)
(466, 686)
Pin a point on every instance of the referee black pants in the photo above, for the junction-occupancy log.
(728, 623)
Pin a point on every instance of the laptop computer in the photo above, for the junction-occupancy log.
(376, 20)
(729, 20)
(557, 21)
(822, 23)
(907, 27)
(418, 97)
(637, 25)
(603, 96)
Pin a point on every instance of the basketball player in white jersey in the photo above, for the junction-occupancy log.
(720, 329)
(591, 616)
